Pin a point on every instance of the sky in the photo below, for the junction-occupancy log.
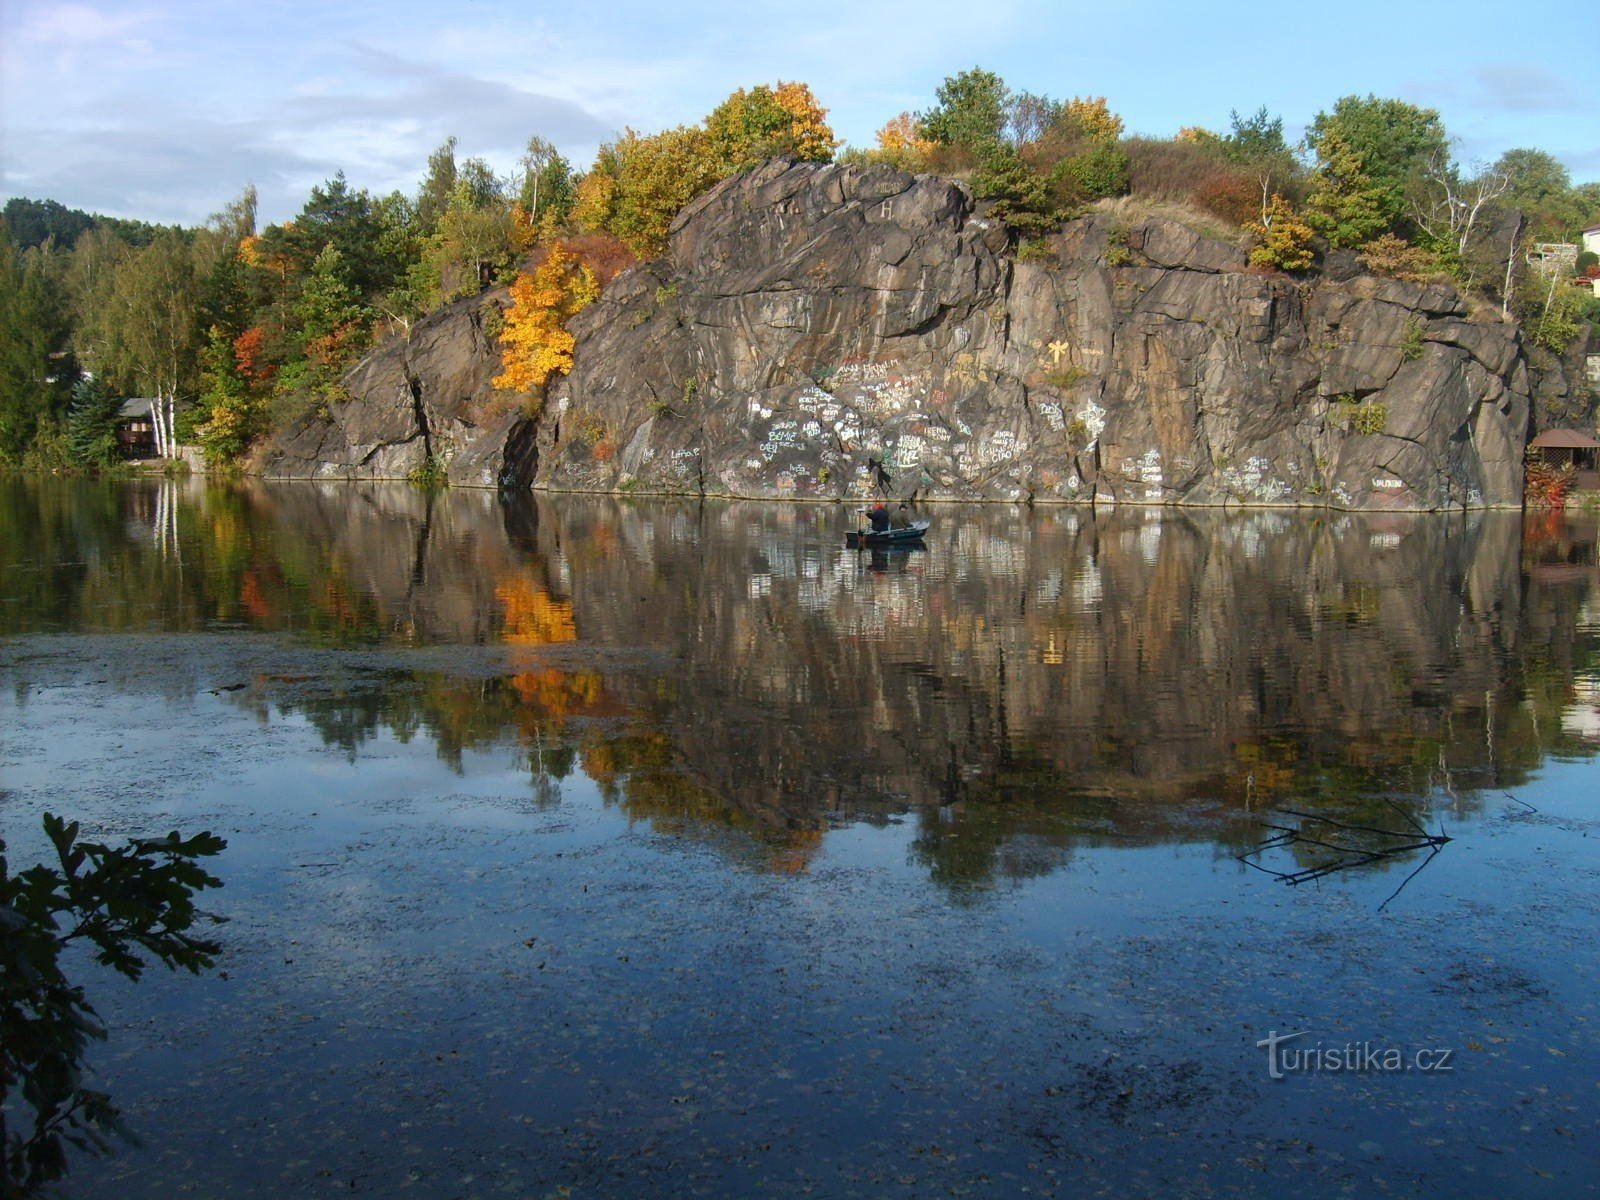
(165, 110)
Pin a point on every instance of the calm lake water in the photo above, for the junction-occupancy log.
(586, 847)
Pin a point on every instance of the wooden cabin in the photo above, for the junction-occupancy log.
(136, 428)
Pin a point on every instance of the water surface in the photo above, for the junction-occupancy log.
(670, 849)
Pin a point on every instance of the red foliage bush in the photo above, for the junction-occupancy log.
(1545, 486)
(605, 254)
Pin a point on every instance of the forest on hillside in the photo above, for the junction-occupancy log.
(236, 331)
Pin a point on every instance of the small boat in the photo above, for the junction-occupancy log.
(887, 537)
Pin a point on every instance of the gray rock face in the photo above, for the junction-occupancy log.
(839, 332)
(415, 400)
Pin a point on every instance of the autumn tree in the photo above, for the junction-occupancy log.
(535, 343)
(750, 127)
(656, 176)
(1285, 238)
(233, 416)
(900, 144)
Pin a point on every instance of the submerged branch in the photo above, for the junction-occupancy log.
(1400, 842)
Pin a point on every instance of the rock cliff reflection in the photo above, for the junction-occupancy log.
(1029, 682)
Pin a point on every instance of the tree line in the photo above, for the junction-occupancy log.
(234, 331)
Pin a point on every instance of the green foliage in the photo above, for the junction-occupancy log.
(1346, 205)
(35, 222)
(1369, 152)
(129, 904)
(1118, 252)
(36, 367)
(1256, 138)
(1542, 189)
(92, 423)
(1560, 321)
(1361, 416)
(656, 176)
(1036, 249)
(1017, 195)
(1412, 340)
(549, 187)
(971, 113)
(1094, 174)
(430, 475)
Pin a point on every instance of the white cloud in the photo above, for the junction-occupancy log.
(84, 25)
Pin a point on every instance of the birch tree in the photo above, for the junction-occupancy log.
(1447, 207)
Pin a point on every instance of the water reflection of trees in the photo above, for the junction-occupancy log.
(1031, 683)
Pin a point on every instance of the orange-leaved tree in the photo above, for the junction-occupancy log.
(535, 343)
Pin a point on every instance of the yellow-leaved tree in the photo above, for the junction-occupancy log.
(535, 343)
(901, 144)
(1285, 238)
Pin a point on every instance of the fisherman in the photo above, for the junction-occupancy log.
(901, 518)
(878, 515)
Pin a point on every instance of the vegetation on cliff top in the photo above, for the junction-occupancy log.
(238, 331)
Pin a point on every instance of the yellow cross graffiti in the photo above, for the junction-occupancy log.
(1057, 349)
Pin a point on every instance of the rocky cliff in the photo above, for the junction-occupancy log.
(839, 331)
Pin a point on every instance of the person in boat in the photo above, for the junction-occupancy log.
(878, 516)
(901, 518)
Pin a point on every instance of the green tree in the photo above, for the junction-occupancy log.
(1540, 186)
(1370, 153)
(1346, 205)
(92, 423)
(1017, 195)
(438, 186)
(346, 218)
(36, 366)
(332, 323)
(1255, 144)
(148, 334)
(972, 111)
(129, 904)
(553, 192)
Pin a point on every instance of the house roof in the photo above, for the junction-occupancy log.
(138, 406)
(1565, 439)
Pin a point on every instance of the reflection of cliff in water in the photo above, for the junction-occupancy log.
(1030, 682)
(1037, 680)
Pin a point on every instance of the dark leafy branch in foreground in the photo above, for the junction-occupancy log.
(1328, 840)
(128, 903)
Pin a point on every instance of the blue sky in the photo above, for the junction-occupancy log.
(165, 111)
